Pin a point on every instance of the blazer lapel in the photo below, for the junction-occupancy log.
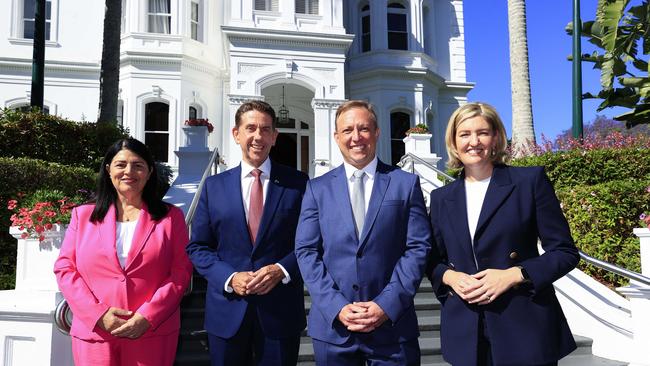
(143, 229)
(499, 189)
(273, 197)
(379, 187)
(456, 206)
(235, 197)
(107, 236)
(341, 193)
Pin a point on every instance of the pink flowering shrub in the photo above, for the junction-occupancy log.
(644, 218)
(41, 211)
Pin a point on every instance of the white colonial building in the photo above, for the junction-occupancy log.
(185, 59)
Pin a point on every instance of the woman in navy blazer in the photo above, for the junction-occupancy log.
(496, 290)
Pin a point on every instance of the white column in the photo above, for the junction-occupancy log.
(287, 10)
(639, 296)
(326, 152)
(378, 25)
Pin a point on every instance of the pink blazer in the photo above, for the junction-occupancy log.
(156, 273)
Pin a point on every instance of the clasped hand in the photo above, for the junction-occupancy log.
(362, 317)
(123, 323)
(483, 287)
(259, 282)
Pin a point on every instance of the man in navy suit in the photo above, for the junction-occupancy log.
(362, 242)
(243, 244)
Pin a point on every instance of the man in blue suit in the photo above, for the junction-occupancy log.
(243, 244)
(362, 242)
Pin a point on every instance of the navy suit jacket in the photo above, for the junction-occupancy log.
(221, 245)
(384, 265)
(525, 324)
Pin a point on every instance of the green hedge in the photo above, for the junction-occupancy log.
(579, 167)
(602, 193)
(602, 217)
(51, 138)
(27, 176)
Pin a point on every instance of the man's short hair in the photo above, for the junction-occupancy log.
(356, 104)
(255, 105)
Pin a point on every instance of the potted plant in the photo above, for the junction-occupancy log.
(419, 129)
(196, 133)
(38, 223)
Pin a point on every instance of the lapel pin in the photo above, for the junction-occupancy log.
(276, 181)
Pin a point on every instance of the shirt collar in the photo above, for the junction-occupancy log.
(246, 168)
(369, 169)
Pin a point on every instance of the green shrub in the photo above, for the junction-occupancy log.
(26, 176)
(51, 138)
(602, 217)
(586, 167)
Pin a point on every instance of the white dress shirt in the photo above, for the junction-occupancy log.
(247, 180)
(368, 179)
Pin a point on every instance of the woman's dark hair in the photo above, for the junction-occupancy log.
(105, 195)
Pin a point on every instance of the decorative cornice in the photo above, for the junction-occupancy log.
(237, 99)
(326, 103)
(277, 37)
(18, 64)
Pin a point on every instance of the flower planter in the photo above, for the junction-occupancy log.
(196, 137)
(35, 260)
(418, 143)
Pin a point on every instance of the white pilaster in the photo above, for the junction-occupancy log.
(326, 155)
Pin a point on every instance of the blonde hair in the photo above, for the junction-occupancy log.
(471, 110)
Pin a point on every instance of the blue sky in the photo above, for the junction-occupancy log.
(487, 53)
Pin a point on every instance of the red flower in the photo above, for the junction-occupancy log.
(12, 204)
(48, 226)
(24, 235)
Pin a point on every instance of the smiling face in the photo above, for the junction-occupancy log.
(475, 139)
(256, 136)
(357, 134)
(129, 173)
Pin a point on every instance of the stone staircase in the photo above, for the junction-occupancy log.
(192, 350)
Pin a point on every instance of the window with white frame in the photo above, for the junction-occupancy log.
(307, 7)
(159, 16)
(365, 28)
(29, 22)
(268, 5)
(195, 21)
(156, 129)
(193, 113)
(396, 19)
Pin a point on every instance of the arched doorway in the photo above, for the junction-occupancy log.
(294, 146)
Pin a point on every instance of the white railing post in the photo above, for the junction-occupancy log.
(639, 296)
(28, 334)
(420, 146)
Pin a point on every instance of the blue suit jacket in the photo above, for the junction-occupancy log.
(525, 324)
(384, 265)
(221, 245)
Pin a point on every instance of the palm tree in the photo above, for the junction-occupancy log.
(523, 132)
(109, 77)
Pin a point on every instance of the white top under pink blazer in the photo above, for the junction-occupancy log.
(156, 273)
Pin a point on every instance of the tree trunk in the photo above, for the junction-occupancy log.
(109, 78)
(523, 132)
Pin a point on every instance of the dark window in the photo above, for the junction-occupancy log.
(307, 7)
(365, 29)
(397, 27)
(193, 113)
(29, 13)
(400, 122)
(156, 130)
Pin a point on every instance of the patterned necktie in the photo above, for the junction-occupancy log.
(255, 205)
(358, 200)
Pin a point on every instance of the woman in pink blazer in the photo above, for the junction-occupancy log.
(123, 267)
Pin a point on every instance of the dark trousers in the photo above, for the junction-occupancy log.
(484, 350)
(249, 346)
(357, 353)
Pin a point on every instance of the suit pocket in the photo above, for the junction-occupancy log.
(392, 203)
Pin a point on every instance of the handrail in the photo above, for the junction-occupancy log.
(195, 201)
(418, 159)
(586, 257)
(615, 269)
(62, 313)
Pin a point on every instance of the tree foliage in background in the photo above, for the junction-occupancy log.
(622, 33)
